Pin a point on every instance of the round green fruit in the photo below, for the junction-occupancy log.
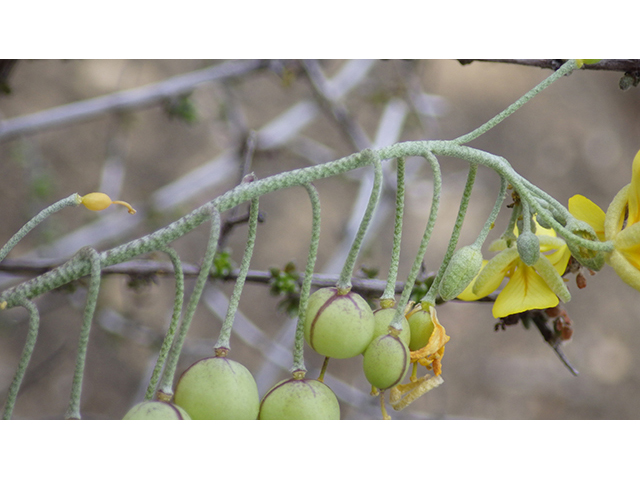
(217, 388)
(338, 326)
(155, 410)
(386, 361)
(383, 317)
(304, 399)
(421, 327)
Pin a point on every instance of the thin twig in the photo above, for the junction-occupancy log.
(142, 97)
(540, 321)
(610, 65)
(330, 102)
(150, 268)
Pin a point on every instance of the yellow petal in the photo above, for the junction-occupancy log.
(526, 290)
(492, 274)
(467, 295)
(614, 219)
(548, 243)
(584, 209)
(552, 278)
(634, 191)
(541, 231)
(626, 270)
(560, 258)
(629, 238)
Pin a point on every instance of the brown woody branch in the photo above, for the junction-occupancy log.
(614, 65)
(150, 269)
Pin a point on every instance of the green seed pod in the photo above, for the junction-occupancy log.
(462, 269)
(383, 317)
(217, 388)
(155, 410)
(528, 245)
(591, 259)
(386, 361)
(421, 327)
(304, 399)
(338, 326)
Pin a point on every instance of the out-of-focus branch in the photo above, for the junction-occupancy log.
(329, 101)
(149, 268)
(615, 65)
(142, 268)
(136, 98)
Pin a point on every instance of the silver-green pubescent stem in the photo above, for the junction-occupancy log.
(305, 289)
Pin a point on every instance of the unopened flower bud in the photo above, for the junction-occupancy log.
(99, 201)
(592, 259)
(528, 246)
(462, 269)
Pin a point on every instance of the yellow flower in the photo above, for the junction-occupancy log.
(528, 287)
(621, 225)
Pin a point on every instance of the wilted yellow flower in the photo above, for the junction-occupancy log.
(430, 356)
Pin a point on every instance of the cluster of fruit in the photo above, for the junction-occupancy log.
(336, 326)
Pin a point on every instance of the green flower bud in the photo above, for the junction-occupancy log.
(462, 269)
(528, 246)
(591, 259)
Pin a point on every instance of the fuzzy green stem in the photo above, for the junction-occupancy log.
(234, 301)
(70, 201)
(497, 206)
(32, 335)
(344, 282)
(422, 249)
(430, 296)
(566, 68)
(92, 257)
(175, 318)
(165, 389)
(74, 269)
(298, 353)
(389, 292)
(526, 218)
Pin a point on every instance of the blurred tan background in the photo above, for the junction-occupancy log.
(579, 136)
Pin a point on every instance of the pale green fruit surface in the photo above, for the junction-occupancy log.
(421, 329)
(383, 317)
(338, 326)
(304, 399)
(386, 361)
(155, 410)
(217, 388)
